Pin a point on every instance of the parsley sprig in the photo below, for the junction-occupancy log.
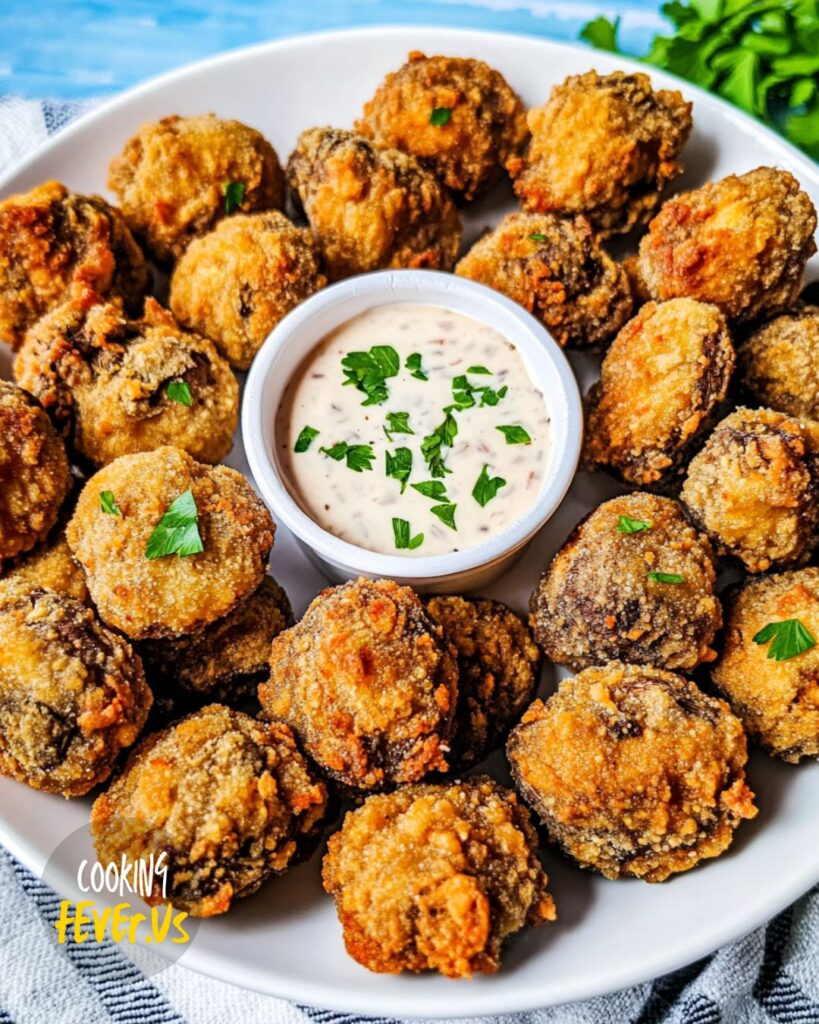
(108, 504)
(357, 456)
(625, 524)
(486, 487)
(177, 532)
(179, 391)
(306, 437)
(432, 446)
(665, 577)
(399, 466)
(402, 535)
(369, 371)
(234, 193)
(787, 639)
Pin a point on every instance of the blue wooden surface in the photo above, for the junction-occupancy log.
(84, 48)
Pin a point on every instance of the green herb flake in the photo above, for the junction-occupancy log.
(787, 639)
(440, 116)
(446, 513)
(177, 532)
(478, 369)
(357, 456)
(515, 434)
(665, 577)
(399, 466)
(413, 364)
(625, 524)
(234, 193)
(398, 423)
(433, 489)
(402, 535)
(369, 372)
(486, 487)
(179, 391)
(433, 444)
(108, 504)
(305, 439)
(538, 236)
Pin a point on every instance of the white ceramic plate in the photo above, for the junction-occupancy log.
(286, 939)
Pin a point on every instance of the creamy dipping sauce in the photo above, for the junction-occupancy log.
(418, 368)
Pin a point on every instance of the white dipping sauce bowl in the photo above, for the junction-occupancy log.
(301, 330)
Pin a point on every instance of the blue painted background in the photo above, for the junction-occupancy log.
(84, 48)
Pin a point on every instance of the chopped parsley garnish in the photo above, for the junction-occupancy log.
(433, 444)
(464, 393)
(179, 391)
(177, 532)
(446, 513)
(413, 364)
(788, 638)
(399, 466)
(234, 193)
(440, 116)
(478, 369)
(401, 532)
(486, 487)
(625, 524)
(515, 435)
(538, 236)
(434, 489)
(369, 371)
(305, 439)
(358, 456)
(398, 423)
(665, 577)
(108, 504)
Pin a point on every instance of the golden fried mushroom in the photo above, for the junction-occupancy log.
(635, 581)
(754, 488)
(634, 771)
(137, 530)
(51, 566)
(604, 146)
(498, 666)
(664, 377)
(436, 877)
(51, 240)
(116, 386)
(72, 693)
(779, 363)
(456, 115)
(176, 177)
(229, 800)
(368, 682)
(770, 677)
(556, 268)
(371, 208)
(35, 477)
(741, 243)
(235, 283)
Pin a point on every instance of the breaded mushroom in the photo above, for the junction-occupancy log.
(754, 488)
(769, 667)
(779, 363)
(662, 381)
(604, 146)
(457, 116)
(230, 801)
(52, 567)
(51, 240)
(72, 693)
(169, 544)
(369, 683)
(177, 177)
(35, 477)
(235, 283)
(741, 243)
(436, 877)
(115, 386)
(498, 668)
(371, 208)
(556, 268)
(633, 771)
(635, 581)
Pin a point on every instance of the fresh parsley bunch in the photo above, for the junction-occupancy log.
(762, 55)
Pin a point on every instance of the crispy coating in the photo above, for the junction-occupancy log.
(229, 658)
(35, 477)
(436, 877)
(371, 208)
(103, 379)
(604, 146)
(777, 701)
(741, 243)
(171, 178)
(596, 602)
(51, 566)
(72, 693)
(639, 290)
(556, 268)
(171, 595)
(754, 488)
(662, 381)
(368, 682)
(485, 127)
(779, 363)
(634, 771)
(52, 240)
(498, 669)
(236, 282)
(229, 800)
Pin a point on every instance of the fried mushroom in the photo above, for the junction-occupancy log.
(50, 566)
(779, 363)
